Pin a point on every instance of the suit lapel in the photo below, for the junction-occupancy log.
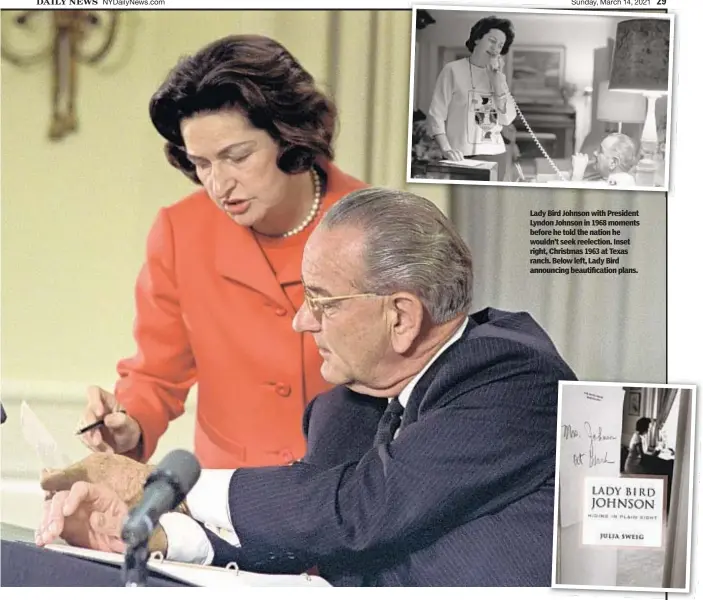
(412, 409)
(238, 257)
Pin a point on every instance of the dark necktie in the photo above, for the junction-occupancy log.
(389, 423)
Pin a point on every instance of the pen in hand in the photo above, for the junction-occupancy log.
(99, 423)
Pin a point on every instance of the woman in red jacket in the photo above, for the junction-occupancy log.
(221, 283)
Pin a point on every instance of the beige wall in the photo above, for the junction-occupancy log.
(75, 213)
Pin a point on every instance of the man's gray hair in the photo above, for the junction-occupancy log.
(624, 149)
(409, 245)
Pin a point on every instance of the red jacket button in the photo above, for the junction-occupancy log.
(282, 389)
(281, 312)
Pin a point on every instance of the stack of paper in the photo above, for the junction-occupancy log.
(39, 438)
(467, 162)
(199, 575)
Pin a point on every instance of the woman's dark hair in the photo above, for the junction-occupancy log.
(483, 26)
(259, 77)
(642, 425)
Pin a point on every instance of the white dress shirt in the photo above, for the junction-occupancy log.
(404, 395)
(462, 99)
(618, 179)
(208, 501)
(624, 179)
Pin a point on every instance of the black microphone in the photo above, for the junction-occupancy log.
(164, 489)
(3, 416)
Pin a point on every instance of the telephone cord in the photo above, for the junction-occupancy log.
(534, 137)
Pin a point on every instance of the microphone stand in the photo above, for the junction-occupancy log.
(134, 569)
(165, 487)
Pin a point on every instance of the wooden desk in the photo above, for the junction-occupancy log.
(486, 171)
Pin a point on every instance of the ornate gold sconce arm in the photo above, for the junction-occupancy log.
(70, 32)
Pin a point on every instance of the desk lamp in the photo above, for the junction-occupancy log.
(641, 65)
(620, 107)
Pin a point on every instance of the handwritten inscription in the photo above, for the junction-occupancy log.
(593, 458)
(598, 436)
(569, 432)
(595, 436)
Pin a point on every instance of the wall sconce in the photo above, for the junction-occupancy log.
(71, 32)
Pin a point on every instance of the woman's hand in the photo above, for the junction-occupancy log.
(120, 433)
(496, 64)
(495, 74)
(451, 154)
(448, 153)
(88, 515)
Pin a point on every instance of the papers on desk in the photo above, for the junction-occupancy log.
(200, 575)
(553, 177)
(468, 163)
(38, 437)
(666, 454)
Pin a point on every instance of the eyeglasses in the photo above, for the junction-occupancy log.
(316, 306)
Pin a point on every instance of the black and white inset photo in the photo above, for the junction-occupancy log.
(624, 486)
(540, 97)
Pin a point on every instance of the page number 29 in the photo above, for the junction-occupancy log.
(661, 2)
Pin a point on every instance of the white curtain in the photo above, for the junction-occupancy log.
(665, 398)
(677, 560)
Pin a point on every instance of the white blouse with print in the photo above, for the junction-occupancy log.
(463, 107)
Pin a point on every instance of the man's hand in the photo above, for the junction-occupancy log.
(89, 515)
(119, 473)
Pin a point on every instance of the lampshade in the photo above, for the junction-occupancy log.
(620, 107)
(641, 56)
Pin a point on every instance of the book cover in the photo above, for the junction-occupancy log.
(624, 486)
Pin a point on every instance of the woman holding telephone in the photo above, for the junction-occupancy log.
(471, 102)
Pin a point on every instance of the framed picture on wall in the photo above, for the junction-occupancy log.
(536, 72)
(634, 404)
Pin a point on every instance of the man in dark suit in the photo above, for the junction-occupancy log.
(431, 463)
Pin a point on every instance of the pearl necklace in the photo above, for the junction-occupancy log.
(313, 209)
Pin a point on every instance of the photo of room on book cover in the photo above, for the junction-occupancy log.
(624, 486)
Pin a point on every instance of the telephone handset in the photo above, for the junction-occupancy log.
(497, 63)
